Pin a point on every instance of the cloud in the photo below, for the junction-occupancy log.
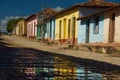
(58, 8)
(4, 21)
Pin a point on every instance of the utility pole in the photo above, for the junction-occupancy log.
(43, 16)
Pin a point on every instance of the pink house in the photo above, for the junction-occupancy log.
(32, 26)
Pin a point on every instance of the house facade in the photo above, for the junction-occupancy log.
(66, 30)
(101, 27)
(91, 30)
(66, 26)
(32, 26)
(21, 29)
(14, 32)
(41, 27)
(50, 29)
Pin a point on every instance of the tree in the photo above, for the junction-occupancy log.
(11, 24)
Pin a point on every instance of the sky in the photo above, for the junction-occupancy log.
(10, 9)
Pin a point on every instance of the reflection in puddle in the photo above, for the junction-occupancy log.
(33, 66)
(56, 68)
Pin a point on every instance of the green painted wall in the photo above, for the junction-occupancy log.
(39, 32)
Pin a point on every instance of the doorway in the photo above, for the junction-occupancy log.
(87, 31)
(112, 28)
(73, 29)
(60, 27)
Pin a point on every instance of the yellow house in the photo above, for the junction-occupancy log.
(66, 26)
(21, 28)
(66, 30)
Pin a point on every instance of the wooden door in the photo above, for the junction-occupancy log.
(73, 29)
(87, 31)
(64, 33)
(60, 27)
(69, 25)
(111, 28)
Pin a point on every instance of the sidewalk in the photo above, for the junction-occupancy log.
(28, 43)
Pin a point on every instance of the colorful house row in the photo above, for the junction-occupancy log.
(20, 28)
(44, 29)
(66, 24)
(63, 27)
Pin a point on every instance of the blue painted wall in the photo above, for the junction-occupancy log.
(53, 29)
(50, 25)
(93, 38)
(81, 31)
(96, 37)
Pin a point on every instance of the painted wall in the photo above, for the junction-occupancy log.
(39, 32)
(32, 28)
(93, 37)
(16, 30)
(96, 37)
(78, 12)
(117, 27)
(66, 15)
(106, 28)
(22, 28)
(50, 25)
(81, 31)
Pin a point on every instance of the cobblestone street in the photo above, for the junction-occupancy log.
(30, 43)
(25, 59)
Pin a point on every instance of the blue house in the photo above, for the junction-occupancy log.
(100, 27)
(90, 30)
(50, 29)
(42, 31)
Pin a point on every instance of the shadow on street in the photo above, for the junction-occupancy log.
(27, 63)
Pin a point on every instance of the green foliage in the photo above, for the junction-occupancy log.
(11, 24)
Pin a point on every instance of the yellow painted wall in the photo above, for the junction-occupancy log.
(66, 15)
(22, 29)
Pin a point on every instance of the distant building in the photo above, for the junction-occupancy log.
(32, 26)
(22, 28)
(50, 28)
(41, 29)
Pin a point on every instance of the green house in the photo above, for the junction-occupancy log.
(41, 29)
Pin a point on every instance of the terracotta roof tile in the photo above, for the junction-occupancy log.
(98, 4)
(47, 11)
